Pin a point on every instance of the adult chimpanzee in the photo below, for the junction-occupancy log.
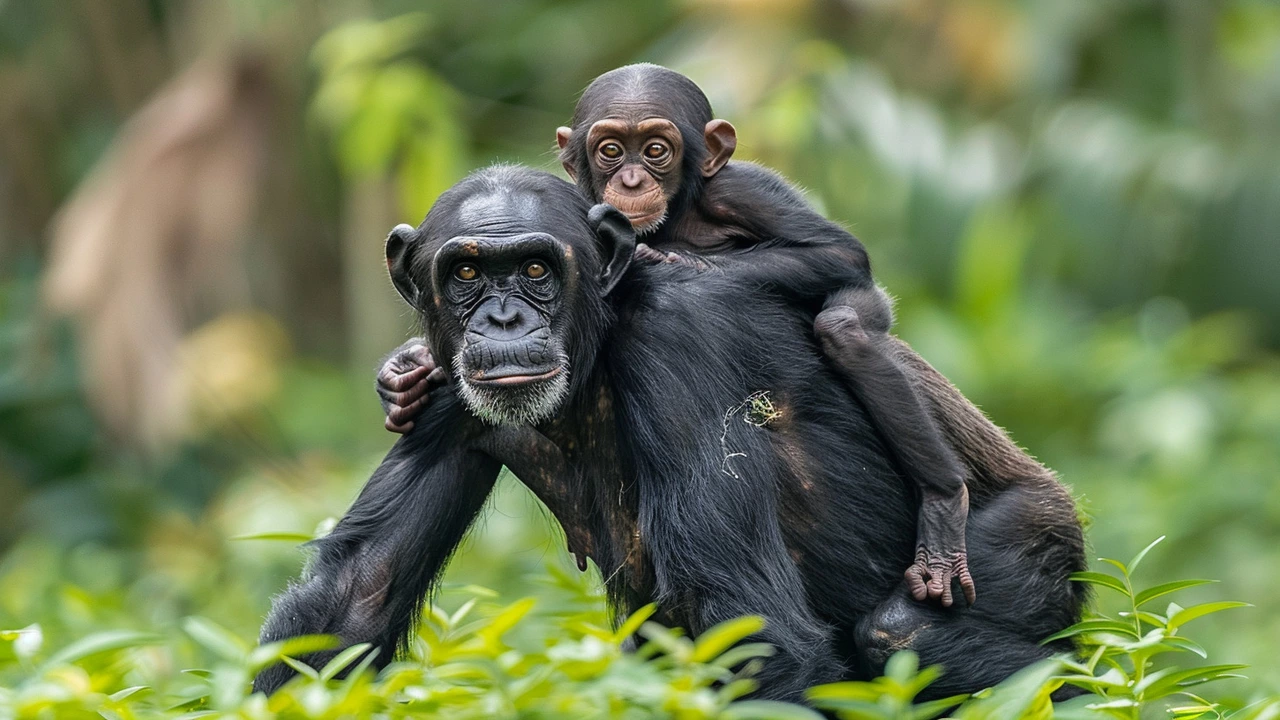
(580, 376)
(644, 140)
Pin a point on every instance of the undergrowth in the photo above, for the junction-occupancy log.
(474, 662)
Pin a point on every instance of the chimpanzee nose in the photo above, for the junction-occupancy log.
(631, 177)
(504, 317)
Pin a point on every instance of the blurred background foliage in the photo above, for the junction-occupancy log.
(1076, 203)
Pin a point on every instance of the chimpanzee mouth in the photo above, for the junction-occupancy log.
(646, 222)
(515, 397)
(514, 379)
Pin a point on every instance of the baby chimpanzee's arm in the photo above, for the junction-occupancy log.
(405, 381)
(785, 246)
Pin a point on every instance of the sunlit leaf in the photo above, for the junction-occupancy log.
(99, 643)
(1163, 589)
(213, 636)
(1101, 579)
(716, 640)
(1186, 615)
(1137, 559)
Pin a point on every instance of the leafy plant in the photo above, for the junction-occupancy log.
(1120, 651)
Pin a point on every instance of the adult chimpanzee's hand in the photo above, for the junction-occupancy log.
(405, 383)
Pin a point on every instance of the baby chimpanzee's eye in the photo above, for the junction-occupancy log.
(656, 150)
(611, 151)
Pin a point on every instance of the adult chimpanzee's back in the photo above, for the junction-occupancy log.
(737, 427)
(684, 430)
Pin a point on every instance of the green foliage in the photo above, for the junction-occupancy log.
(473, 662)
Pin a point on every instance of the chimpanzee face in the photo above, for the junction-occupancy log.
(510, 283)
(505, 292)
(643, 140)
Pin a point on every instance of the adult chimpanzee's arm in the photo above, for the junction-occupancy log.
(371, 574)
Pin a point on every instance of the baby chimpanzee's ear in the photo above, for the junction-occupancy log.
(563, 134)
(721, 141)
(619, 241)
(400, 252)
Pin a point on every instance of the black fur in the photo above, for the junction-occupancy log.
(791, 508)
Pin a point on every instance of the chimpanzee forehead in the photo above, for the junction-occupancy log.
(499, 213)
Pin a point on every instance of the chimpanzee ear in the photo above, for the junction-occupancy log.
(619, 240)
(400, 251)
(721, 141)
(562, 141)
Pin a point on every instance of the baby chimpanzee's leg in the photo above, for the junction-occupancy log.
(852, 334)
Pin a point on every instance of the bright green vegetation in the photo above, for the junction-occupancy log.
(492, 659)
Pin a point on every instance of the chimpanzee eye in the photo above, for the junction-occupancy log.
(535, 270)
(656, 151)
(466, 273)
(610, 151)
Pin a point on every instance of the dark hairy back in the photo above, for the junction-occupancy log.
(723, 385)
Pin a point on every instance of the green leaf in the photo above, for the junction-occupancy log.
(741, 653)
(1137, 559)
(1185, 616)
(1025, 695)
(1117, 564)
(725, 635)
(342, 660)
(507, 619)
(292, 537)
(122, 694)
(100, 643)
(768, 710)
(1176, 681)
(269, 654)
(1093, 626)
(633, 623)
(1103, 579)
(1182, 643)
(935, 708)
(300, 668)
(1163, 589)
(221, 641)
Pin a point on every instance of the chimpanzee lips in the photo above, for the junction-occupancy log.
(514, 378)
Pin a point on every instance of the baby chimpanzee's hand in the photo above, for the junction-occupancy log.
(404, 383)
(646, 254)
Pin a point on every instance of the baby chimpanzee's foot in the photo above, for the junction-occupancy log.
(930, 576)
(404, 384)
